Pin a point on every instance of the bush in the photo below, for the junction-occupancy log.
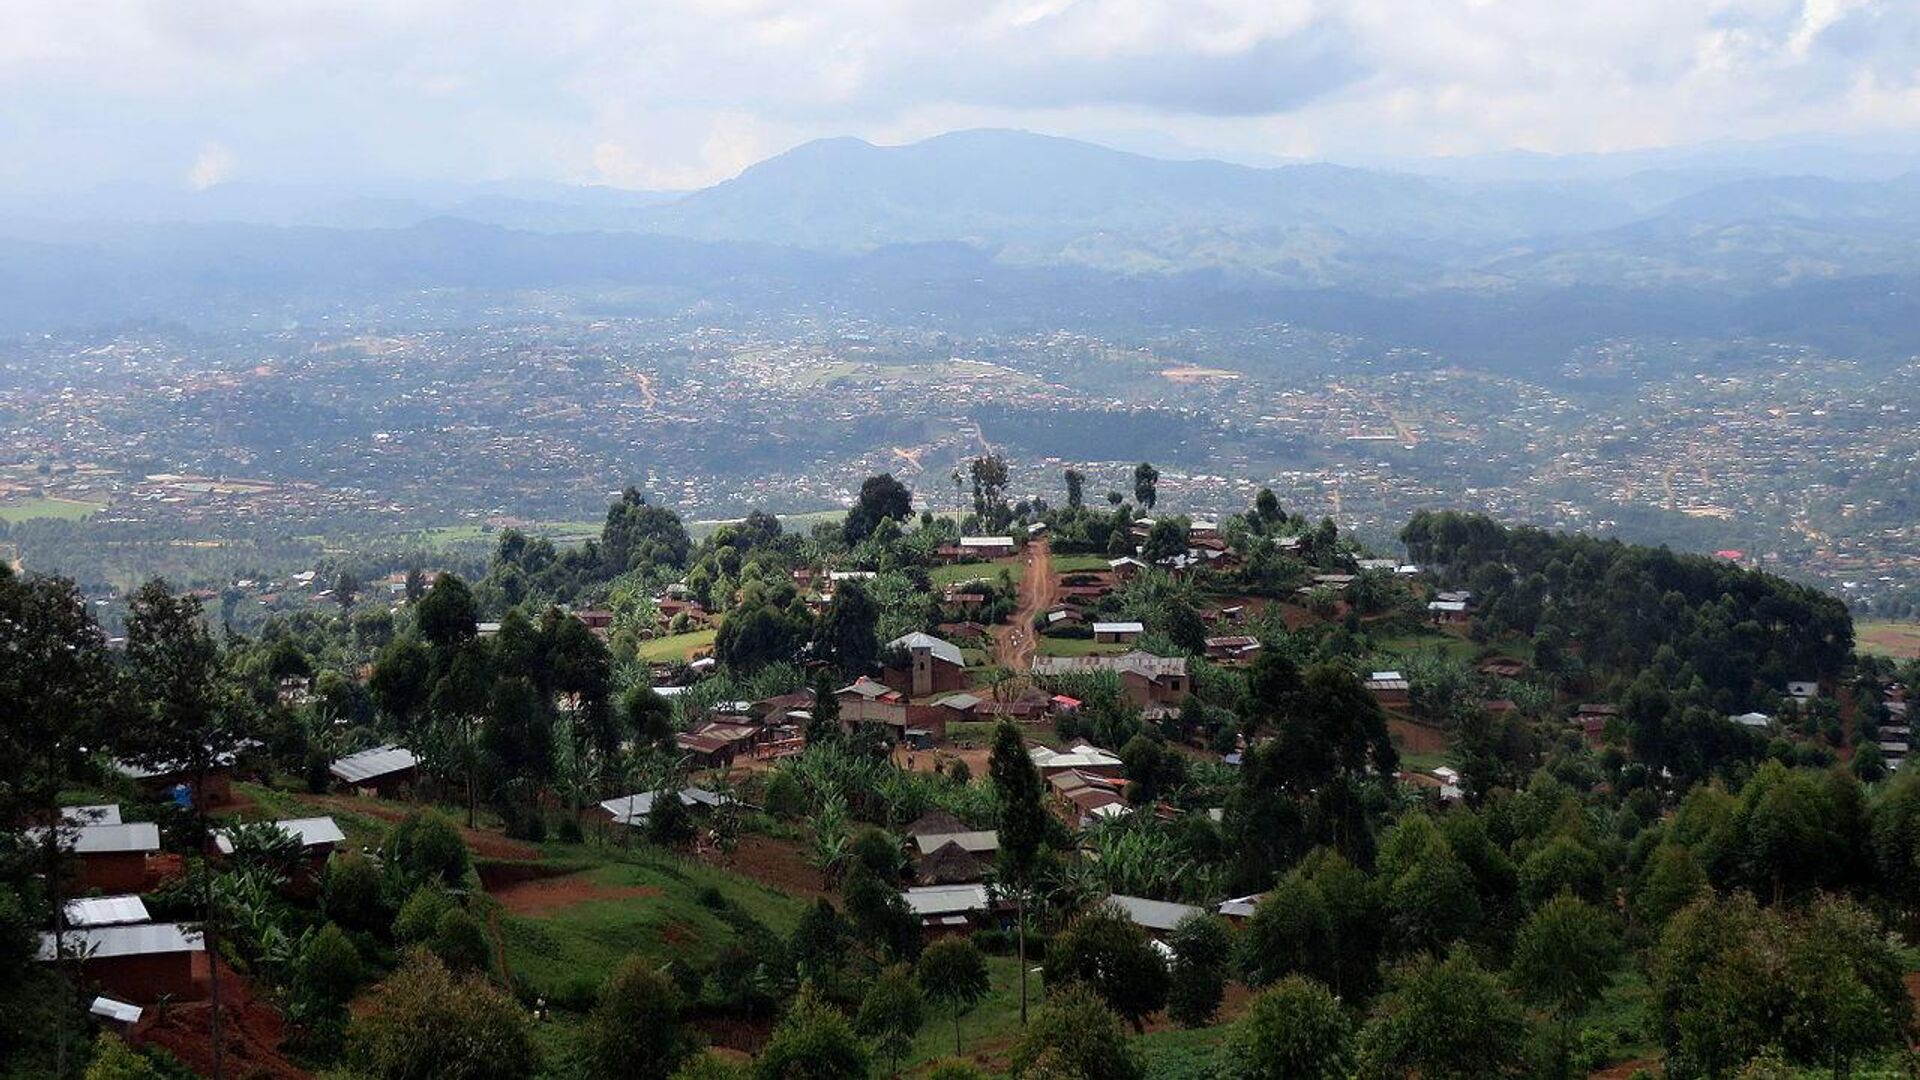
(570, 829)
(354, 893)
(785, 798)
(419, 917)
(1076, 1035)
(461, 942)
(1293, 1030)
(432, 1023)
(427, 847)
(636, 1031)
(113, 1059)
(329, 970)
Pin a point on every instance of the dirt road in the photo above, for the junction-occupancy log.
(1013, 645)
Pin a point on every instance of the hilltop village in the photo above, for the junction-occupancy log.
(1055, 786)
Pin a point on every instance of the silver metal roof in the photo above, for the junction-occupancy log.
(102, 814)
(310, 832)
(106, 911)
(1152, 914)
(118, 1011)
(138, 836)
(944, 650)
(973, 842)
(145, 939)
(371, 764)
(925, 900)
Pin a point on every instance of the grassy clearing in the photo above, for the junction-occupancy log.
(60, 509)
(1900, 640)
(676, 646)
(582, 943)
(277, 804)
(942, 576)
(1078, 564)
(1048, 646)
(995, 1022)
(1429, 641)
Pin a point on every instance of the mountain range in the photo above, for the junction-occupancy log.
(1011, 214)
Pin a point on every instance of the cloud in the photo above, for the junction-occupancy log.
(213, 166)
(682, 92)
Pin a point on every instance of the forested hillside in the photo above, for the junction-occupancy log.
(1204, 799)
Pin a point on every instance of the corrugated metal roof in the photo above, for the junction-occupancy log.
(146, 939)
(102, 814)
(1152, 914)
(975, 842)
(371, 764)
(944, 650)
(106, 911)
(311, 832)
(633, 809)
(926, 900)
(134, 836)
(117, 1011)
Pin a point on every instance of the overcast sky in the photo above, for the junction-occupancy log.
(680, 93)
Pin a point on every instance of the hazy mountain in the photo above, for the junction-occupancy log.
(1033, 191)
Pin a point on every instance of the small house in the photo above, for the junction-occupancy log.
(381, 772)
(933, 666)
(143, 962)
(1118, 633)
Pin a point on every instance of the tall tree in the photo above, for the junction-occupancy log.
(193, 723)
(847, 635)
(1076, 489)
(1146, 485)
(1113, 957)
(952, 971)
(59, 692)
(1022, 826)
(446, 616)
(882, 498)
(1563, 959)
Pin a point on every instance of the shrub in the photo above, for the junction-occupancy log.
(427, 847)
(329, 970)
(354, 893)
(411, 1033)
(461, 942)
(636, 1031)
(419, 917)
(113, 1059)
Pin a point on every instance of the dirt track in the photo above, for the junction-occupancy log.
(1013, 645)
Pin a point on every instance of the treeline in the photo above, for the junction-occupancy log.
(1600, 610)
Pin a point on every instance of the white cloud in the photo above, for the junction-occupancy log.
(213, 166)
(681, 92)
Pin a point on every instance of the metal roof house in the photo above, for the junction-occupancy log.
(380, 770)
(143, 962)
(106, 911)
(1154, 916)
(315, 832)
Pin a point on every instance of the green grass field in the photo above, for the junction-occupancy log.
(1900, 640)
(676, 646)
(651, 907)
(942, 576)
(60, 509)
(1457, 648)
(1078, 564)
(1048, 646)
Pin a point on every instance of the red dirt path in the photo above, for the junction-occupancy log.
(1014, 644)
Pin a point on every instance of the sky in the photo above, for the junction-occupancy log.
(675, 94)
